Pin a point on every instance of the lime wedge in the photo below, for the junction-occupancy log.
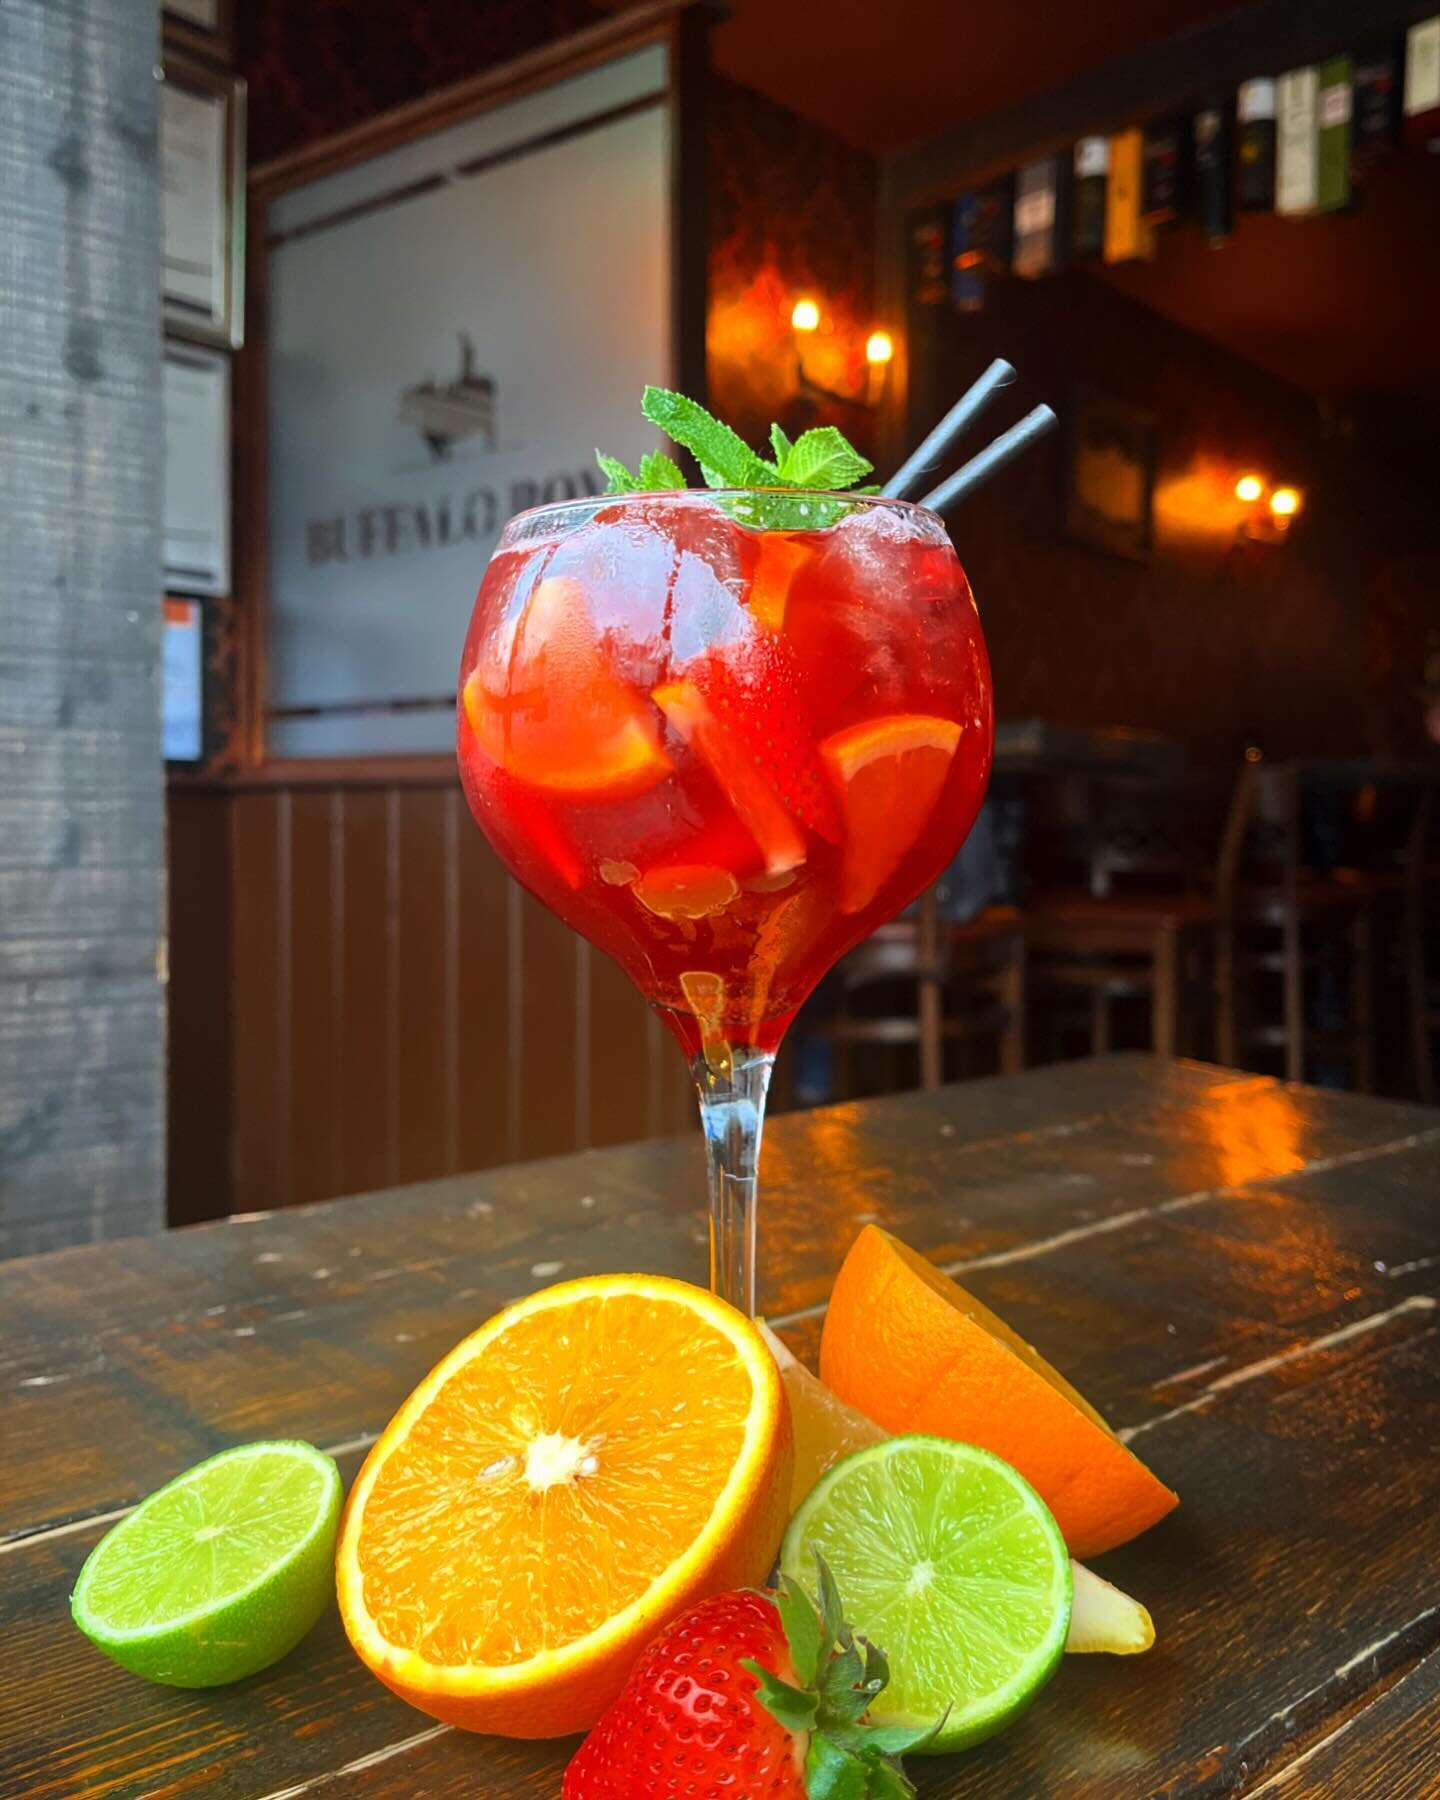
(950, 1562)
(218, 1573)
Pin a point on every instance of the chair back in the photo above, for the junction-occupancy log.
(1155, 834)
(1231, 849)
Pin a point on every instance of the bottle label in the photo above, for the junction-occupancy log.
(1092, 157)
(1422, 68)
(1334, 105)
(1298, 153)
(1256, 101)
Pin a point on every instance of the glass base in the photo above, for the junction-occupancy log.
(732, 1090)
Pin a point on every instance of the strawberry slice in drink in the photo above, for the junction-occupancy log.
(744, 716)
(707, 731)
(556, 716)
(888, 775)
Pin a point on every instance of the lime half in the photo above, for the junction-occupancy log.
(220, 1572)
(949, 1560)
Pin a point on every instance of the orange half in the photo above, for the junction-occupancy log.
(888, 774)
(580, 1470)
(561, 718)
(912, 1350)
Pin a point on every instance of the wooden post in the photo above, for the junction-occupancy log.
(82, 842)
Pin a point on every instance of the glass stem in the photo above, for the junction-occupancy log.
(732, 1089)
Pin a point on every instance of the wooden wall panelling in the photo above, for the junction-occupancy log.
(363, 1097)
(200, 1059)
(260, 1144)
(397, 1007)
(487, 977)
(422, 951)
(315, 1002)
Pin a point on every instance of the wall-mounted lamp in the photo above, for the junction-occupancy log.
(1270, 509)
(805, 321)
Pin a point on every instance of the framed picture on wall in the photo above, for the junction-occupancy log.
(1110, 460)
(196, 389)
(202, 141)
(205, 27)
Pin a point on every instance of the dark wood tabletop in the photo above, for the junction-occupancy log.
(1239, 1274)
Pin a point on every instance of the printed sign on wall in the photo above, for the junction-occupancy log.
(455, 325)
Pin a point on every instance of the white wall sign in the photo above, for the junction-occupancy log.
(454, 327)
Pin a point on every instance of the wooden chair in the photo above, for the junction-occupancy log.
(1280, 898)
(922, 981)
(1161, 866)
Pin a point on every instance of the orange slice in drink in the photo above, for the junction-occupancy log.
(561, 718)
(759, 807)
(779, 560)
(912, 1350)
(888, 774)
(572, 1476)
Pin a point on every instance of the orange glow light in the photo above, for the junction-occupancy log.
(1285, 502)
(1249, 488)
(805, 316)
(879, 348)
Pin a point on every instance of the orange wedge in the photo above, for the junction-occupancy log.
(577, 1472)
(888, 774)
(560, 718)
(913, 1351)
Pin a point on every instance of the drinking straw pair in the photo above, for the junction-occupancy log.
(928, 454)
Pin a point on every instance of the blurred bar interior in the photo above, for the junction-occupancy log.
(417, 260)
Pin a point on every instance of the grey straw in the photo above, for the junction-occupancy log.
(930, 452)
(994, 457)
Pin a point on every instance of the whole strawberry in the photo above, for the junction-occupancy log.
(749, 1697)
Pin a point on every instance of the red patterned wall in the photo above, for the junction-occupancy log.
(792, 212)
(320, 65)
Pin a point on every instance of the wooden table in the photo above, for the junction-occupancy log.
(1238, 1273)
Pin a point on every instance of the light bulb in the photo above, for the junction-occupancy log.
(1249, 488)
(879, 348)
(805, 316)
(1285, 502)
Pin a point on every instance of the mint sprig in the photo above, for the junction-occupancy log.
(820, 460)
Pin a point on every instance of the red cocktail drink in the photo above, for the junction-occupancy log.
(725, 754)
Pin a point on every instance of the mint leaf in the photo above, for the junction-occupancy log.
(620, 479)
(725, 460)
(658, 474)
(779, 443)
(823, 459)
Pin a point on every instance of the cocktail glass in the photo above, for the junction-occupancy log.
(724, 752)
